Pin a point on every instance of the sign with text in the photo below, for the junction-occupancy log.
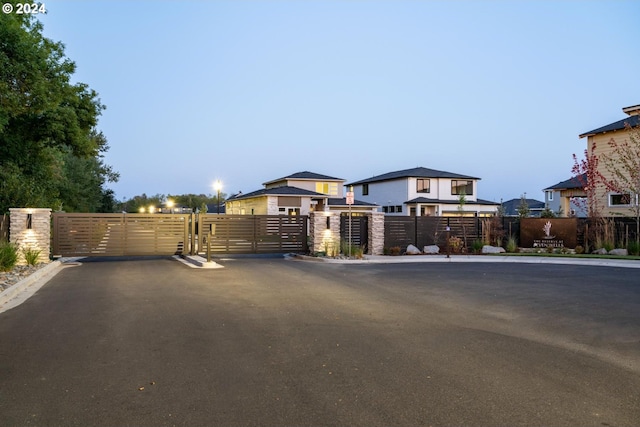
(350, 198)
(548, 232)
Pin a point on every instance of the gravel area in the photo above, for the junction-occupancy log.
(19, 272)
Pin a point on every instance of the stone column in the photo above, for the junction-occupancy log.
(324, 239)
(376, 233)
(32, 232)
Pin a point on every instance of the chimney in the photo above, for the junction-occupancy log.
(634, 110)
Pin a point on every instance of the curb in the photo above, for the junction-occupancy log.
(42, 275)
(196, 261)
(381, 259)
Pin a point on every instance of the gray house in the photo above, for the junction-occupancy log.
(567, 197)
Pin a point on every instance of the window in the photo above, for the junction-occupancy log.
(392, 209)
(423, 185)
(618, 199)
(329, 188)
(365, 189)
(550, 196)
(461, 187)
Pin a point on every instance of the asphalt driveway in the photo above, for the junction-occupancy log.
(269, 342)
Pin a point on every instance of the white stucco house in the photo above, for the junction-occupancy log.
(423, 192)
(296, 194)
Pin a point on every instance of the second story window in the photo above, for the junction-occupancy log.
(619, 199)
(365, 189)
(423, 185)
(461, 187)
(328, 188)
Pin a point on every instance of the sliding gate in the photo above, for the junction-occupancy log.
(80, 234)
(252, 234)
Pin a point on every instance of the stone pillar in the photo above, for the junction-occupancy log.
(376, 233)
(324, 239)
(37, 237)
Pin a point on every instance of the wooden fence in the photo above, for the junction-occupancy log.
(421, 231)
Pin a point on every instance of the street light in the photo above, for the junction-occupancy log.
(218, 186)
(170, 205)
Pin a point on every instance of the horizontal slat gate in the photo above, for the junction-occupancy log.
(243, 234)
(359, 229)
(76, 234)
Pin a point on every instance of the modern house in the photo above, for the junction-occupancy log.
(611, 203)
(423, 192)
(567, 197)
(296, 194)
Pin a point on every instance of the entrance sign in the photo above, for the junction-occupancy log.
(548, 232)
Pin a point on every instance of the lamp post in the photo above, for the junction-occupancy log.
(218, 186)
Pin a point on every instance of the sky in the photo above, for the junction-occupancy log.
(249, 91)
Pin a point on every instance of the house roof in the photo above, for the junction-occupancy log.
(571, 183)
(418, 172)
(450, 202)
(305, 175)
(284, 190)
(633, 121)
(511, 206)
(343, 202)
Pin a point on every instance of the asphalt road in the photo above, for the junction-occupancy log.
(269, 342)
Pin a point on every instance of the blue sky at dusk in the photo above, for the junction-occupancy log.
(249, 91)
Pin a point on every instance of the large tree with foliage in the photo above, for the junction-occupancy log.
(51, 154)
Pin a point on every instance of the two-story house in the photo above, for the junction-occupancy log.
(567, 197)
(423, 192)
(611, 203)
(296, 194)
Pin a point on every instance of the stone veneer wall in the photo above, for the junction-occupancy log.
(324, 239)
(38, 237)
(376, 233)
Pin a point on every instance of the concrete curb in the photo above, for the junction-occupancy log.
(196, 261)
(41, 277)
(381, 259)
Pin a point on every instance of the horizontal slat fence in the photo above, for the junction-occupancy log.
(78, 234)
(421, 231)
(246, 234)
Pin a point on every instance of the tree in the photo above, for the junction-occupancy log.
(622, 163)
(547, 213)
(523, 207)
(462, 200)
(585, 171)
(47, 124)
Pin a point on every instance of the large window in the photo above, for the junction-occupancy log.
(328, 188)
(619, 199)
(461, 187)
(423, 185)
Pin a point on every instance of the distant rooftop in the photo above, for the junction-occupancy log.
(305, 175)
(418, 172)
(571, 183)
